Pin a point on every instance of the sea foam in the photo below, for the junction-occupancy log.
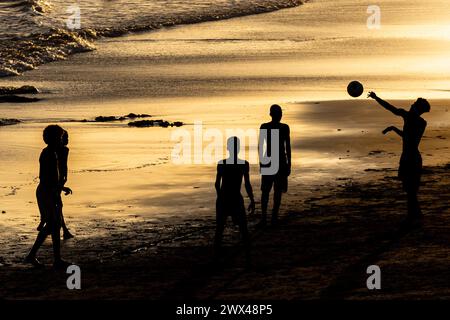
(35, 32)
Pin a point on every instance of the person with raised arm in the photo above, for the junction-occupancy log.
(410, 169)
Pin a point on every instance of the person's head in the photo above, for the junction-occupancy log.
(65, 138)
(52, 135)
(421, 106)
(276, 113)
(233, 146)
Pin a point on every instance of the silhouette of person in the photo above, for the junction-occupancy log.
(47, 194)
(410, 169)
(230, 202)
(63, 155)
(279, 153)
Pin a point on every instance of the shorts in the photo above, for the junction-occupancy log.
(230, 206)
(278, 181)
(410, 171)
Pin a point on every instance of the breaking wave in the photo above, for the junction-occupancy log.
(35, 32)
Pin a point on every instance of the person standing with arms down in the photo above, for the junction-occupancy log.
(230, 202)
(410, 169)
(275, 162)
(47, 194)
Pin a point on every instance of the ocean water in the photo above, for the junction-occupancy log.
(39, 31)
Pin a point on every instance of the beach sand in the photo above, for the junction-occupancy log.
(320, 250)
(144, 226)
(333, 227)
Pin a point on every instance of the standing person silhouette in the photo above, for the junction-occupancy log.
(278, 152)
(47, 194)
(63, 156)
(410, 169)
(230, 202)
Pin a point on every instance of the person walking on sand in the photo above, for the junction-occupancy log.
(47, 194)
(275, 162)
(410, 169)
(63, 155)
(230, 202)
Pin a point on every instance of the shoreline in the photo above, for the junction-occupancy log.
(340, 146)
(68, 43)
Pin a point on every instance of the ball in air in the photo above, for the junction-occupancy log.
(355, 89)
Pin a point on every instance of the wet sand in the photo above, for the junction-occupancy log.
(320, 250)
(336, 221)
(144, 227)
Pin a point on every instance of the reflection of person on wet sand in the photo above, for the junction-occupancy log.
(47, 194)
(280, 161)
(410, 169)
(230, 202)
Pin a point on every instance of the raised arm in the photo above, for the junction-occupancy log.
(387, 105)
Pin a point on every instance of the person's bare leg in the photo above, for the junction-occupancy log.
(31, 257)
(40, 226)
(66, 233)
(56, 241)
(413, 205)
(264, 204)
(276, 205)
(243, 229)
(220, 226)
